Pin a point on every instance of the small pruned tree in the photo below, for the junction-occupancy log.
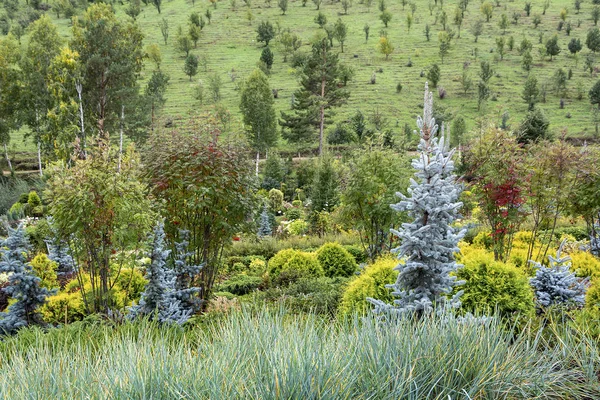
(552, 47)
(283, 6)
(190, 66)
(434, 75)
(340, 32)
(266, 32)
(385, 17)
(487, 9)
(385, 47)
(531, 92)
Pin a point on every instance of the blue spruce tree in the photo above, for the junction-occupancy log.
(161, 298)
(58, 251)
(264, 229)
(185, 274)
(429, 242)
(23, 284)
(557, 285)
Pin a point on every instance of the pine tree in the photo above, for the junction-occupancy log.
(186, 273)
(265, 224)
(556, 285)
(23, 284)
(321, 90)
(161, 298)
(429, 242)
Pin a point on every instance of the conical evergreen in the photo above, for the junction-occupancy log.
(557, 284)
(23, 284)
(161, 298)
(429, 242)
(185, 274)
(58, 251)
(264, 228)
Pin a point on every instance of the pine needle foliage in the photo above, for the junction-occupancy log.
(23, 284)
(429, 242)
(556, 284)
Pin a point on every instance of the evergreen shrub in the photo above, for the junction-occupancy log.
(240, 284)
(491, 284)
(357, 252)
(370, 283)
(290, 265)
(335, 260)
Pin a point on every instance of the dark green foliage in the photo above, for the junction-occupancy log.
(534, 127)
(340, 134)
(531, 92)
(592, 40)
(336, 260)
(320, 91)
(552, 47)
(575, 46)
(457, 133)
(594, 94)
(434, 75)
(240, 284)
(266, 56)
(266, 32)
(324, 192)
(190, 66)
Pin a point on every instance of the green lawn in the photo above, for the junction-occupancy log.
(229, 43)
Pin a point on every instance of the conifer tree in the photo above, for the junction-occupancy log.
(265, 224)
(556, 285)
(320, 91)
(23, 284)
(429, 242)
(161, 297)
(185, 273)
(58, 251)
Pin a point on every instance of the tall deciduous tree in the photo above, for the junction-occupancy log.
(429, 242)
(320, 91)
(10, 76)
(258, 113)
(205, 187)
(43, 47)
(101, 209)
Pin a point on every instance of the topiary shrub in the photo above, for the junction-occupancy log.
(335, 260)
(370, 283)
(240, 284)
(492, 284)
(289, 265)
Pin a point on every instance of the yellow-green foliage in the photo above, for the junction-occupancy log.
(370, 283)
(289, 265)
(585, 264)
(336, 260)
(492, 284)
(128, 287)
(63, 307)
(46, 270)
(298, 227)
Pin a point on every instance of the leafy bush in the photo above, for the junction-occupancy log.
(370, 283)
(335, 260)
(357, 252)
(290, 265)
(240, 284)
(298, 227)
(293, 214)
(492, 284)
(63, 307)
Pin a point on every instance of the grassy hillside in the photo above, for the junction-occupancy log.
(229, 44)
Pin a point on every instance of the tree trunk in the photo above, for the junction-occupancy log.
(322, 123)
(8, 158)
(121, 136)
(79, 90)
(257, 157)
(39, 154)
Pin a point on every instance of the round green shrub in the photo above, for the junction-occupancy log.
(298, 227)
(370, 283)
(491, 284)
(289, 265)
(357, 252)
(293, 214)
(336, 260)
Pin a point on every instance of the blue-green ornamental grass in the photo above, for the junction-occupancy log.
(274, 355)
